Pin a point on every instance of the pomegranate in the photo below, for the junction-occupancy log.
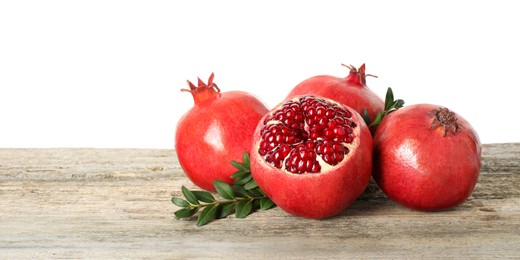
(217, 129)
(351, 91)
(426, 157)
(312, 156)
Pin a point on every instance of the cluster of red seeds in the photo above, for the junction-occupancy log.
(301, 130)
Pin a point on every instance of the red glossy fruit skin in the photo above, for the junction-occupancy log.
(351, 91)
(317, 195)
(213, 133)
(419, 167)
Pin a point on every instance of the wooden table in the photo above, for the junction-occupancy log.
(115, 203)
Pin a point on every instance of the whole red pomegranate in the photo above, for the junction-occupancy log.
(216, 130)
(426, 157)
(312, 156)
(351, 91)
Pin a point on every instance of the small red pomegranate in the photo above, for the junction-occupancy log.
(216, 130)
(426, 157)
(312, 156)
(351, 91)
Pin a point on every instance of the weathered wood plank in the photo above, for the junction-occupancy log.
(115, 203)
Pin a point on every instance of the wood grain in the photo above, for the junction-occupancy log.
(115, 203)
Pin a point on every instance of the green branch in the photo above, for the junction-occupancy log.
(241, 198)
(390, 106)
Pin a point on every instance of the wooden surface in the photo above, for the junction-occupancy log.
(115, 203)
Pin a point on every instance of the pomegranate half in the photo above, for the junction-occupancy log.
(426, 157)
(312, 156)
(217, 129)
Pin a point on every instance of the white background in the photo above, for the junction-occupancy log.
(108, 73)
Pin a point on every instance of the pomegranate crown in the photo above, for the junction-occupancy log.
(201, 85)
(445, 118)
(203, 91)
(358, 75)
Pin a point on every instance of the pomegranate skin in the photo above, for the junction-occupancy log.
(351, 91)
(317, 195)
(423, 165)
(217, 129)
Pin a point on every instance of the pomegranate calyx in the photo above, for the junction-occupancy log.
(358, 76)
(445, 118)
(203, 91)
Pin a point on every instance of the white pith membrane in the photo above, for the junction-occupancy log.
(350, 144)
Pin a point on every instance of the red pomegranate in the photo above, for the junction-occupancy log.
(217, 129)
(426, 157)
(351, 90)
(312, 156)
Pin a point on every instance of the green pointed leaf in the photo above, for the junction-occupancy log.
(398, 103)
(366, 116)
(244, 208)
(224, 190)
(389, 99)
(257, 192)
(239, 166)
(246, 161)
(204, 196)
(240, 192)
(226, 210)
(190, 196)
(239, 174)
(377, 119)
(208, 214)
(256, 204)
(180, 202)
(250, 185)
(243, 180)
(185, 213)
(266, 203)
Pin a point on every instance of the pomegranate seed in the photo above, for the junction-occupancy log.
(290, 113)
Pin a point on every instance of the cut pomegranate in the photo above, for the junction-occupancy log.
(312, 156)
(305, 133)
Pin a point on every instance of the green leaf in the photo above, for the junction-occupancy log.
(240, 192)
(366, 116)
(185, 213)
(190, 196)
(256, 204)
(250, 185)
(180, 202)
(377, 119)
(226, 210)
(246, 161)
(204, 196)
(224, 190)
(398, 103)
(257, 192)
(244, 208)
(389, 99)
(239, 166)
(208, 214)
(266, 203)
(243, 180)
(239, 174)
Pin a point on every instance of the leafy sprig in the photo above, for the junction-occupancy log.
(242, 198)
(390, 106)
